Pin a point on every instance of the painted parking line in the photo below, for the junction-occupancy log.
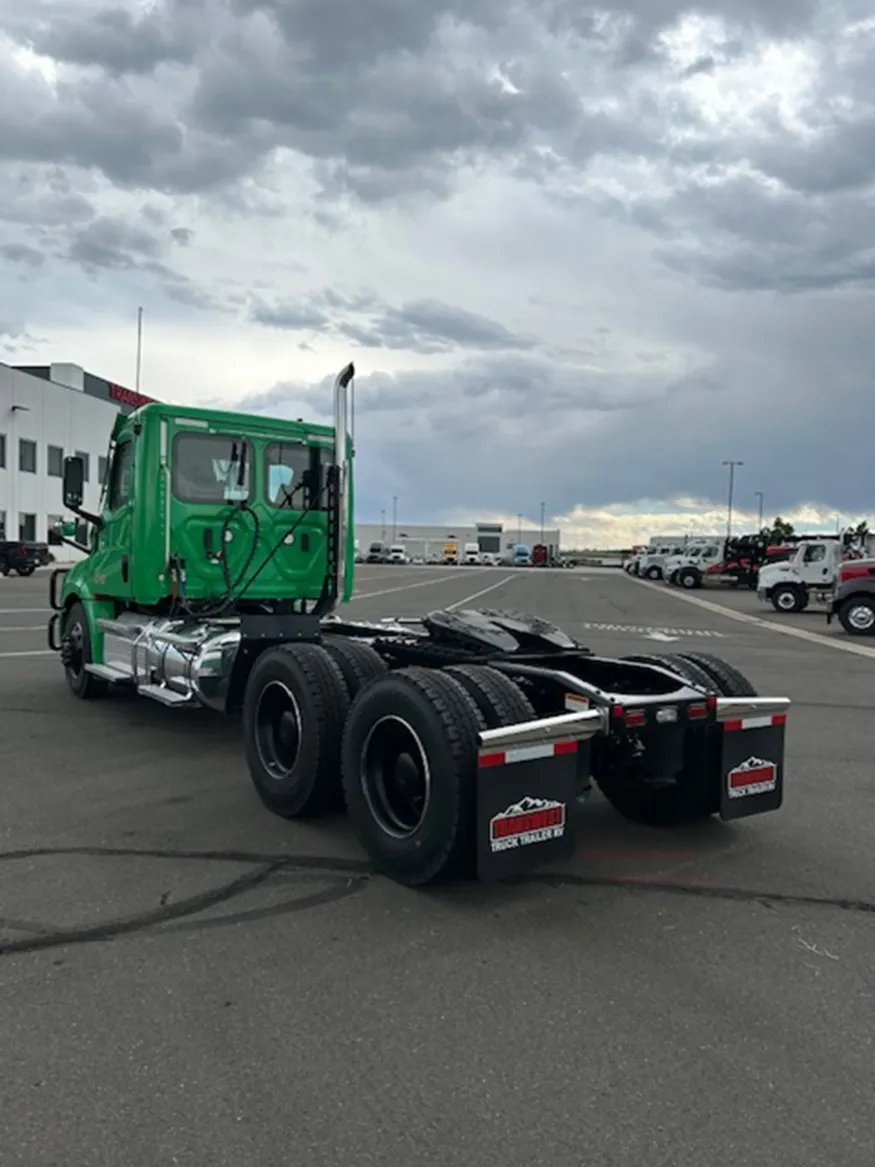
(452, 574)
(654, 632)
(758, 622)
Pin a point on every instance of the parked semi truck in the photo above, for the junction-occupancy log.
(220, 558)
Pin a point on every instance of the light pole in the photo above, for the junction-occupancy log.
(394, 517)
(383, 528)
(543, 509)
(520, 526)
(759, 494)
(731, 463)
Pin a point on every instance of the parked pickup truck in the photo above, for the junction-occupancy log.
(853, 600)
(22, 558)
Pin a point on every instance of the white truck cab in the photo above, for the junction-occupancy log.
(811, 574)
(688, 569)
(652, 563)
(398, 553)
(471, 554)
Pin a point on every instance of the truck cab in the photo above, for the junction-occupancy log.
(471, 553)
(811, 574)
(205, 515)
(450, 555)
(398, 553)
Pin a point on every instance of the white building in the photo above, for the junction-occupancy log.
(422, 541)
(47, 413)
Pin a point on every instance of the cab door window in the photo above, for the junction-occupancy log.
(121, 476)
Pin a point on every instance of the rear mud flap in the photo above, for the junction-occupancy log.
(527, 795)
(752, 765)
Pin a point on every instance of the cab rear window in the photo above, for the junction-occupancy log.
(208, 468)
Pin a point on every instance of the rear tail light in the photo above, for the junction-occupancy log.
(631, 718)
(701, 709)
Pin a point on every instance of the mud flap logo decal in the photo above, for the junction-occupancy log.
(755, 776)
(531, 820)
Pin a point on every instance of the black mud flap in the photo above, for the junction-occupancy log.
(526, 804)
(752, 765)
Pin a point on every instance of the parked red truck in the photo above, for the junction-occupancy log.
(853, 600)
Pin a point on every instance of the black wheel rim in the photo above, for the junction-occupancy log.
(278, 730)
(75, 649)
(395, 777)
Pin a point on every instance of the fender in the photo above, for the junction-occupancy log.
(78, 586)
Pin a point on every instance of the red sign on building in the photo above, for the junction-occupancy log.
(128, 396)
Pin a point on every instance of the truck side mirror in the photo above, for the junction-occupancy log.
(74, 483)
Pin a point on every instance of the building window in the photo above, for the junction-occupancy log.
(27, 456)
(2, 451)
(101, 470)
(27, 528)
(53, 529)
(81, 454)
(55, 463)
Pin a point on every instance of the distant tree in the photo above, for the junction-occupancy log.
(780, 531)
(861, 530)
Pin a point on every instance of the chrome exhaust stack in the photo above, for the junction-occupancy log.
(342, 383)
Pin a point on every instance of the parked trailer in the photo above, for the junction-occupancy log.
(459, 742)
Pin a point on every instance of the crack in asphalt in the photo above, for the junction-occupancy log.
(344, 878)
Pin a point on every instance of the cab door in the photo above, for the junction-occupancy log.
(817, 567)
(111, 557)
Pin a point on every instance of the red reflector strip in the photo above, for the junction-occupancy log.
(767, 721)
(635, 717)
(695, 711)
(526, 754)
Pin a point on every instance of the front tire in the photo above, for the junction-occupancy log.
(788, 598)
(689, 578)
(857, 616)
(76, 653)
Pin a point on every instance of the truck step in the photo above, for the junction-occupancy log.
(163, 695)
(108, 673)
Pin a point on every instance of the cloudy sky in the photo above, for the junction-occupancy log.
(579, 254)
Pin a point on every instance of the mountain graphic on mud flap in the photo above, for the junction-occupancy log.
(527, 805)
(753, 764)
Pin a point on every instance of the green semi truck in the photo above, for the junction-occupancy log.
(214, 576)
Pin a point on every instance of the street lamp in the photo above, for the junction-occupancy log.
(383, 528)
(759, 494)
(394, 517)
(543, 508)
(731, 463)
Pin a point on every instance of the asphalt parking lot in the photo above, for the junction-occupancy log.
(185, 979)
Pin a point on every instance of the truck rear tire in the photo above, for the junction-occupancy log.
(500, 701)
(653, 573)
(76, 654)
(410, 775)
(730, 680)
(359, 663)
(788, 598)
(857, 616)
(294, 710)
